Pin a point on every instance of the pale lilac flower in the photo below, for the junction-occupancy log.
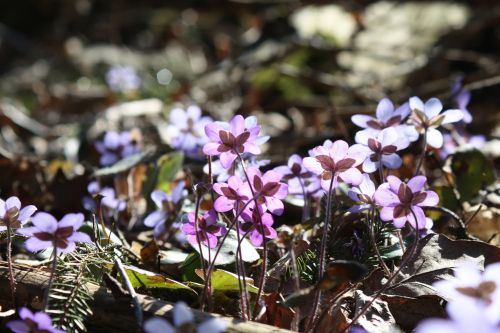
(122, 79)
(250, 224)
(187, 130)
(208, 229)
(461, 97)
(363, 194)
(109, 202)
(229, 142)
(268, 189)
(298, 178)
(400, 201)
(47, 232)
(183, 320)
(337, 163)
(12, 215)
(232, 195)
(464, 318)
(428, 117)
(380, 149)
(235, 169)
(471, 286)
(116, 146)
(450, 146)
(37, 322)
(167, 204)
(386, 116)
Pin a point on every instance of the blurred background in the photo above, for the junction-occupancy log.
(71, 70)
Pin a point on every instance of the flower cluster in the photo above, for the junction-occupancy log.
(123, 79)
(116, 146)
(473, 301)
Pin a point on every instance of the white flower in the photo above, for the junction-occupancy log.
(183, 322)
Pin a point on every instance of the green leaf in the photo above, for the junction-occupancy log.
(447, 197)
(228, 250)
(142, 278)
(473, 171)
(168, 166)
(226, 281)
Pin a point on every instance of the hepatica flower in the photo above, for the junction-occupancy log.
(473, 301)
(123, 79)
(47, 232)
(208, 229)
(116, 146)
(229, 141)
(12, 215)
(232, 195)
(401, 201)
(268, 189)
(30, 322)
(250, 224)
(363, 194)
(110, 203)
(187, 129)
(380, 149)
(183, 320)
(167, 204)
(470, 285)
(337, 163)
(386, 116)
(461, 97)
(428, 117)
(299, 179)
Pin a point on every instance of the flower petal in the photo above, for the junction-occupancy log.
(452, 116)
(392, 161)
(158, 325)
(416, 184)
(312, 164)
(416, 104)
(338, 150)
(13, 202)
(434, 138)
(237, 125)
(385, 197)
(26, 213)
(33, 244)
(432, 107)
(227, 159)
(385, 109)
(158, 197)
(361, 120)
(45, 222)
(156, 217)
(182, 314)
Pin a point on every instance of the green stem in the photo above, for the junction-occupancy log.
(51, 280)
(12, 279)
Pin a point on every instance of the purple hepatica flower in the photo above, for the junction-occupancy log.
(299, 179)
(122, 79)
(400, 201)
(110, 203)
(427, 117)
(208, 229)
(228, 143)
(236, 169)
(386, 117)
(168, 205)
(186, 130)
(12, 215)
(47, 232)
(337, 163)
(380, 149)
(268, 189)
(232, 195)
(116, 146)
(470, 286)
(461, 97)
(250, 223)
(183, 322)
(37, 322)
(363, 194)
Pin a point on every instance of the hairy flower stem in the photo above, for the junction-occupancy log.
(12, 279)
(305, 210)
(53, 268)
(296, 320)
(322, 254)
(422, 157)
(381, 171)
(404, 262)
(371, 224)
(263, 271)
(198, 240)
